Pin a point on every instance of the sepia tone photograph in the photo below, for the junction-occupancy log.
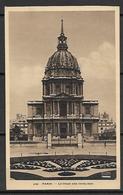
(62, 97)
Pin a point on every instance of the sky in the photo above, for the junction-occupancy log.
(33, 39)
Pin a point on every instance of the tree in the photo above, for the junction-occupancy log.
(16, 131)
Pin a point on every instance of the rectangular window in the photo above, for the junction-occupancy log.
(78, 127)
(55, 129)
(58, 89)
(77, 90)
(47, 89)
(39, 111)
(88, 127)
(87, 109)
(48, 110)
(48, 127)
(63, 109)
(70, 129)
(38, 127)
(68, 89)
(77, 108)
(56, 108)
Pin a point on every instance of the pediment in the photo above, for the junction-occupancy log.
(63, 95)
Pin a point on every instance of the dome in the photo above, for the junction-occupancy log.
(62, 59)
(62, 63)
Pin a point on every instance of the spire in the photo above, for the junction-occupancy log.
(62, 30)
(62, 43)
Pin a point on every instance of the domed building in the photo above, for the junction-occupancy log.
(63, 117)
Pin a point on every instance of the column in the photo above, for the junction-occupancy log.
(68, 134)
(73, 88)
(61, 86)
(58, 129)
(50, 88)
(84, 129)
(67, 108)
(81, 105)
(93, 111)
(80, 89)
(64, 87)
(75, 128)
(45, 109)
(81, 127)
(32, 111)
(73, 110)
(58, 109)
(52, 109)
(34, 132)
(79, 109)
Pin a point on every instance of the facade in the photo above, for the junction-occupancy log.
(63, 116)
(106, 124)
(21, 122)
(19, 128)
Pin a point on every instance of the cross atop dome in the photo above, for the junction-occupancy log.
(62, 30)
(62, 40)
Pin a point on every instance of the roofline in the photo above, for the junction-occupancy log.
(35, 102)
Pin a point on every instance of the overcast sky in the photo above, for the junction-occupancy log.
(33, 39)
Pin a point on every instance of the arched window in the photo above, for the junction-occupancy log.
(58, 88)
(70, 108)
(68, 89)
(47, 89)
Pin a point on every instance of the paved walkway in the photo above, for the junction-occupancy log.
(45, 174)
(41, 149)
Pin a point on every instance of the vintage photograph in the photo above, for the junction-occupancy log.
(62, 97)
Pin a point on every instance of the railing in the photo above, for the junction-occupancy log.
(64, 141)
(68, 116)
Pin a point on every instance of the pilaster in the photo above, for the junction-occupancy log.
(84, 129)
(67, 108)
(68, 129)
(58, 109)
(58, 129)
(45, 109)
(49, 140)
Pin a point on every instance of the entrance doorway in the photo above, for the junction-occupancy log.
(63, 130)
(63, 109)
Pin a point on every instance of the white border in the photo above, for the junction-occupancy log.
(38, 185)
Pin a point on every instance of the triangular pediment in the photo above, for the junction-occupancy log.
(63, 95)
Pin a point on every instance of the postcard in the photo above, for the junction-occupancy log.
(62, 97)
